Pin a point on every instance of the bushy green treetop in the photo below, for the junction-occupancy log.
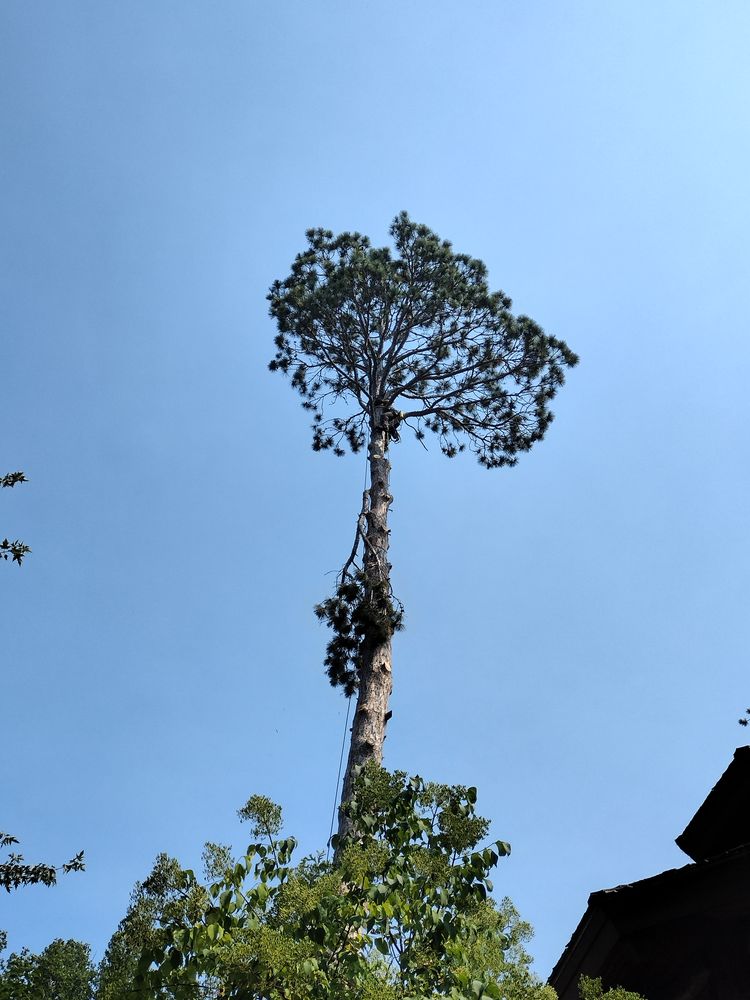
(166, 897)
(63, 971)
(407, 911)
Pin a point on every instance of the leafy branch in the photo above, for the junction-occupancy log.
(12, 479)
(16, 550)
(15, 873)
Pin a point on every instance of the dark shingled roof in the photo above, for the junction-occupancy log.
(684, 933)
(723, 821)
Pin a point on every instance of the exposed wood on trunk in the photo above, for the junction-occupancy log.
(375, 671)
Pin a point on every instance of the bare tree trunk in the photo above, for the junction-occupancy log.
(375, 669)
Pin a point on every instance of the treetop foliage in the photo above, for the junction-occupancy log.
(592, 989)
(263, 815)
(407, 911)
(62, 971)
(163, 898)
(415, 338)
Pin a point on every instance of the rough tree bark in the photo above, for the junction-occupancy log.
(376, 660)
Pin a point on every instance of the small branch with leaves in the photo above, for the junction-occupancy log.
(15, 873)
(16, 550)
(12, 479)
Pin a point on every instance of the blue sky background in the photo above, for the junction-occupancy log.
(577, 626)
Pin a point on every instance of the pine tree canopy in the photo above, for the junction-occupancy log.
(416, 337)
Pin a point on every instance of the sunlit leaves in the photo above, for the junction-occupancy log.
(62, 971)
(403, 914)
(263, 815)
(592, 989)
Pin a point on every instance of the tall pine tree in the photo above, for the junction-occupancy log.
(376, 343)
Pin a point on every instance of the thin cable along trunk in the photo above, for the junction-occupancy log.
(375, 665)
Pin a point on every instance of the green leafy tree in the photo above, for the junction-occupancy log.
(166, 897)
(63, 971)
(501, 953)
(16, 550)
(376, 343)
(407, 911)
(592, 989)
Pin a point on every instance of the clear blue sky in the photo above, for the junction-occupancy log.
(577, 626)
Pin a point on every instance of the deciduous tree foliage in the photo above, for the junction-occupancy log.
(63, 971)
(166, 897)
(15, 872)
(592, 989)
(376, 343)
(406, 913)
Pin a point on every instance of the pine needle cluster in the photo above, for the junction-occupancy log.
(419, 333)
